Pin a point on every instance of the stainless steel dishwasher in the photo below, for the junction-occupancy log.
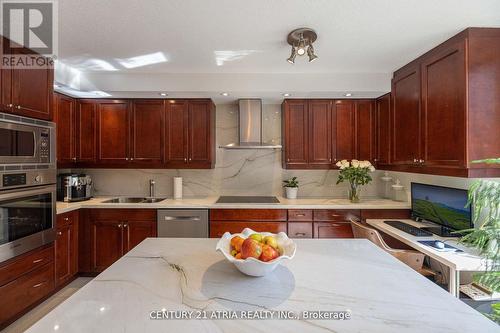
(183, 223)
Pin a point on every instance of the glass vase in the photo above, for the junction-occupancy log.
(354, 193)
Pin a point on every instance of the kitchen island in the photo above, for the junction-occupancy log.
(353, 279)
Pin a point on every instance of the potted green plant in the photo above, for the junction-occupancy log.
(485, 197)
(357, 173)
(292, 187)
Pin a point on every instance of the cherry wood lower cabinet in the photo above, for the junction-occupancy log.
(66, 247)
(107, 234)
(24, 281)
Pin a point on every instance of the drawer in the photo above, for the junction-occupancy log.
(65, 219)
(218, 228)
(300, 230)
(248, 215)
(123, 214)
(300, 215)
(341, 215)
(25, 291)
(25, 263)
(332, 230)
(385, 214)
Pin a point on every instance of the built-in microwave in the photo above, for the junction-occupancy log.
(26, 141)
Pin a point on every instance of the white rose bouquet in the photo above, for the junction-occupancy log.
(356, 173)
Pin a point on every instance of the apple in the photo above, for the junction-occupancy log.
(268, 253)
(251, 248)
(236, 243)
(257, 237)
(271, 241)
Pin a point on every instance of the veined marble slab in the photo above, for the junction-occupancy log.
(382, 294)
(209, 202)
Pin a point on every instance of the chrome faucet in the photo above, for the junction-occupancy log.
(152, 188)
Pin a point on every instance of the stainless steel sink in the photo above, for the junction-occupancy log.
(134, 200)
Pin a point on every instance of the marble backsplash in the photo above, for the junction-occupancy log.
(236, 172)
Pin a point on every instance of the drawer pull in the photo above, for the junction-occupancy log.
(38, 284)
(66, 219)
(336, 215)
(300, 215)
(300, 234)
(37, 261)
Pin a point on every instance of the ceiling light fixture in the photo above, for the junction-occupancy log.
(287, 95)
(348, 95)
(224, 94)
(301, 41)
(163, 94)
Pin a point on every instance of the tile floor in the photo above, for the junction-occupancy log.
(23, 323)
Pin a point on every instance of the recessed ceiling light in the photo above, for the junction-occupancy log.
(286, 95)
(348, 95)
(163, 94)
(224, 94)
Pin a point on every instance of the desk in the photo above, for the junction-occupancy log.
(469, 260)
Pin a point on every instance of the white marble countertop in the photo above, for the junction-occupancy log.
(166, 274)
(209, 202)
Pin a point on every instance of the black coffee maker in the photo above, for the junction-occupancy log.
(74, 187)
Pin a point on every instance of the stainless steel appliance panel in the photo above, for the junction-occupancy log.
(180, 223)
(26, 219)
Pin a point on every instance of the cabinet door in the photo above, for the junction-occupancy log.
(344, 134)
(365, 130)
(176, 133)
(5, 83)
(444, 106)
(64, 252)
(200, 134)
(295, 134)
(137, 231)
(65, 118)
(332, 230)
(113, 132)
(106, 243)
(383, 130)
(320, 134)
(32, 91)
(405, 125)
(147, 131)
(86, 132)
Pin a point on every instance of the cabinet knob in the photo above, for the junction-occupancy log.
(59, 233)
(74, 159)
(126, 158)
(125, 225)
(415, 160)
(66, 219)
(119, 225)
(18, 107)
(10, 105)
(185, 159)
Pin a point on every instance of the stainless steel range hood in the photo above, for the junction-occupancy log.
(250, 126)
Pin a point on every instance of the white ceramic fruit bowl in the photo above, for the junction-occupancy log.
(252, 266)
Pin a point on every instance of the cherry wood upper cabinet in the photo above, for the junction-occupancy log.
(86, 131)
(320, 133)
(147, 128)
(65, 118)
(201, 138)
(27, 91)
(176, 133)
(406, 115)
(344, 136)
(295, 134)
(113, 131)
(444, 106)
(383, 129)
(190, 134)
(365, 130)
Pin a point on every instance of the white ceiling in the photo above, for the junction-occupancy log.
(362, 40)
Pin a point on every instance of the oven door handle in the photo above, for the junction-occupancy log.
(19, 193)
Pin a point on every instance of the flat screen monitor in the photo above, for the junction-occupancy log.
(441, 205)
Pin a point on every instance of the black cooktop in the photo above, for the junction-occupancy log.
(248, 199)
